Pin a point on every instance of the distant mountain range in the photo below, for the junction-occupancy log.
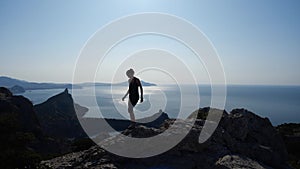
(11, 82)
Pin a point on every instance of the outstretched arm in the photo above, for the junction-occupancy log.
(125, 95)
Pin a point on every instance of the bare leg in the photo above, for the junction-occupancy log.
(130, 111)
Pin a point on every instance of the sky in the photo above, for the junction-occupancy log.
(258, 42)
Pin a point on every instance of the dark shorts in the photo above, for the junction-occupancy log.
(133, 99)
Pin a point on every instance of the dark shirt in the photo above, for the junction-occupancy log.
(133, 87)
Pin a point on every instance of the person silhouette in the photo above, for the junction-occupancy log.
(133, 92)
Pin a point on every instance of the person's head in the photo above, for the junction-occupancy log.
(130, 73)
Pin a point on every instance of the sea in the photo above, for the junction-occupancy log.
(281, 104)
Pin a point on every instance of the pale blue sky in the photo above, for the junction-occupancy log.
(258, 41)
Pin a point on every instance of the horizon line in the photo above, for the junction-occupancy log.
(105, 82)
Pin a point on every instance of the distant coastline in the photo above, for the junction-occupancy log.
(26, 85)
(10, 82)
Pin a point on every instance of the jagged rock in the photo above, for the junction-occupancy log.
(203, 112)
(58, 117)
(20, 131)
(235, 161)
(290, 132)
(252, 138)
(4, 93)
(22, 108)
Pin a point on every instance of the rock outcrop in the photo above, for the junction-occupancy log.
(290, 132)
(25, 140)
(21, 108)
(5, 93)
(20, 131)
(236, 161)
(97, 125)
(58, 117)
(241, 140)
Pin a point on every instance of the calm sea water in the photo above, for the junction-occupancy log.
(279, 103)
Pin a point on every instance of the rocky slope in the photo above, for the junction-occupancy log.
(20, 131)
(31, 133)
(23, 109)
(242, 140)
(24, 139)
(290, 132)
(57, 116)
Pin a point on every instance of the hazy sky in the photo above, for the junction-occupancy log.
(258, 42)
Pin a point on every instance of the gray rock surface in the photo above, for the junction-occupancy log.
(235, 161)
(242, 140)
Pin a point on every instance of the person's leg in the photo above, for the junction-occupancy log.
(130, 111)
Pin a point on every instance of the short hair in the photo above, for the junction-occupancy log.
(130, 72)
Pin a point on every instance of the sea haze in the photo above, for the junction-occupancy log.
(280, 104)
